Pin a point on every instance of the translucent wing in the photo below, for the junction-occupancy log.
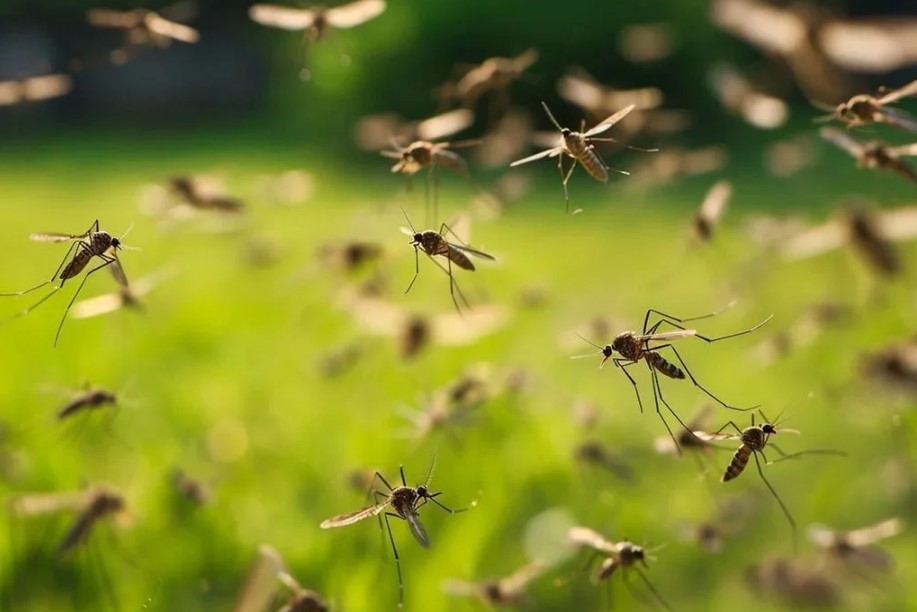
(258, 591)
(54, 237)
(899, 224)
(417, 530)
(815, 241)
(871, 45)
(874, 533)
(47, 503)
(671, 335)
(899, 118)
(445, 124)
(342, 520)
(581, 89)
(283, 17)
(355, 13)
(10, 93)
(99, 305)
(525, 60)
(770, 28)
(904, 150)
(716, 201)
(171, 29)
(583, 536)
(531, 158)
(521, 577)
(47, 86)
(842, 139)
(104, 18)
(461, 587)
(902, 92)
(471, 251)
(610, 121)
(118, 272)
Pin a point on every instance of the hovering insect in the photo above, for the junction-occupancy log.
(794, 582)
(624, 555)
(192, 489)
(597, 100)
(856, 549)
(34, 89)
(579, 148)
(261, 585)
(142, 28)
(739, 96)
(317, 20)
(128, 296)
(451, 406)
(375, 132)
(865, 109)
(646, 43)
(92, 243)
(711, 210)
(895, 363)
(350, 256)
(203, 193)
(874, 153)
(495, 74)
(434, 243)
(405, 501)
(87, 399)
(633, 348)
(595, 453)
(690, 438)
(508, 591)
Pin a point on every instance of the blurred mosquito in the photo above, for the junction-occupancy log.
(261, 585)
(675, 163)
(34, 89)
(690, 438)
(350, 256)
(597, 100)
(88, 399)
(495, 74)
(711, 210)
(753, 440)
(595, 453)
(633, 348)
(856, 549)
(128, 297)
(894, 364)
(203, 193)
(434, 243)
(316, 21)
(874, 153)
(508, 591)
(865, 109)
(794, 582)
(625, 556)
(740, 96)
(375, 132)
(143, 27)
(92, 243)
(579, 148)
(406, 502)
(191, 489)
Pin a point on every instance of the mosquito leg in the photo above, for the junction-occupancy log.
(560, 168)
(107, 262)
(814, 451)
(445, 227)
(656, 396)
(566, 180)
(416, 270)
(435, 176)
(655, 375)
(697, 384)
(786, 512)
(684, 320)
(453, 284)
(652, 589)
(397, 558)
(729, 423)
(620, 363)
(671, 321)
(104, 577)
(426, 193)
(433, 499)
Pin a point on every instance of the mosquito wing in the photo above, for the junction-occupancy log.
(518, 580)
(583, 536)
(815, 241)
(283, 17)
(546, 153)
(355, 13)
(258, 591)
(874, 533)
(99, 305)
(105, 18)
(54, 237)
(47, 86)
(902, 92)
(47, 503)
(843, 140)
(671, 335)
(715, 202)
(899, 224)
(610, 121)
(342, 520)
(376, 315)
(908, 150)
(444, 124)
(899, 118)
(471, 251)
(417, 530)
(770, 28)
(461, 587)
(171, 29)
(580, 88)
(870, 45)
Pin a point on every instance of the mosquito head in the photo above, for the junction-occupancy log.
(116, 244)
(768, 428)
(422, 491)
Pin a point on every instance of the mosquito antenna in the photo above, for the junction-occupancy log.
(429, 477)
(601, 348)
(406, 218)
(551, 116)
(126, 232)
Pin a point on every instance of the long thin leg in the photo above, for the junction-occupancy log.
(453, 284)
(697, 384)
(657, 394)
(48, 282)
(107, 262)
(729, 423)
(620, 363)
(812, 451)
(652, 589)
(707, 339)
(416, 270)
(566, 179)
(646, 318)
(786, 512)
(397, 558)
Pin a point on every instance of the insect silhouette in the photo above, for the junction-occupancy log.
(894, 364)
(739, 96)
(434, 244)
(317, 20)
(507, 591)
(626, 556)
(34, 89)
(88, 399)
(375, 132)
(856, 549)
(578, 146)
(141, 28)
(268, 571)
(495, 74)
(92, 243)
(203, 194)
(406, 502)
(865, 109)
(753, 440)
(597, 454)
(711, 210)
(794, 582)
(191, 489)
(634, 348)
(874, 154)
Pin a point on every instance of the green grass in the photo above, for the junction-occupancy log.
(221, 379)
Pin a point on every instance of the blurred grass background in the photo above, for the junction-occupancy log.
(220, 373)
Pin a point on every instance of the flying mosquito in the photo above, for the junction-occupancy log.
(141, 28)
(578, 147)
(268, 571)
(406, 502)
(711, 210)
(203, 193)
(127, 297)
(794, 582)
(34, 89)
(597, 454)
(191, 489)
(865, 109)
(753, 440)
(317, 20)
(580, 88)
(741, 97)
(633, 348)
(624, 555)
(92, 243)
(375, 132)
(894, 364)
(495, 74)
(434, 243)
(874, 153)
(88, 399)
(690, 438)
(507, 591)
(856, 549)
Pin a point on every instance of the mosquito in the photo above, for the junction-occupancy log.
(88, 399)
(740, 96)
(141, 27)
(507, 591)
(434, 243)
(375, 132)
(203, 193)
(753, 440)
(633, 348)
(597, 454)
(711, 210)
(192, 489)
(127, 297)
(874, 153)
(894, 364)
(856, 548)
(92, 243)
(624, 555)
(350, 256)
(495, 74)
(260, 586)
(795, 582)
(578, 147)
(406, 502)
(580, 88)
(34, 89)
(865, 109)
(317, 20)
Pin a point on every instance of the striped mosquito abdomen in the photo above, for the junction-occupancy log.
(584, 153)
(459, 259)
(738, 463)
(662, 366)
(99, 242)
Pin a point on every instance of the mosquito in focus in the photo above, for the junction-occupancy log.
(874, 153)
(711, 211)
(92, 243)
(856, 549)
(579, 148)
(625, 556)
(141, 28)
(406, 502)
(633, 348)
(508, 591)
(865, 109)
(259, 591)
(434, 243)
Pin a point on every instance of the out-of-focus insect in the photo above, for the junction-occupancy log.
(871, 235)
(350, 256)
(633, 348)
(434, 244)
(794, 582)
(856, 549)
(711, 211)
(753, 439)
(580, 88)
(260, 588)
(452, 405)
(895, 364)
(203, 193)
(675, 163)
(790, 156)
(317, 20)
(128, 296)
(691, 438)
(375, 132)
(289, 188)
(728, 520)
(495, 74)
(646, 43)
(508, 591)
(406, 502)
(88, 399)
(865, 109)
(813, 322)
(595, 453)
(192, 489)
(739, 96)
(625, 556)
(92, 243)
(505, 140)
(34, 89)
(142, 28)
(578, 146)
(91, 506)
(874, 153)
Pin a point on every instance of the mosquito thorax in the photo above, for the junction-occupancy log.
(621, 341)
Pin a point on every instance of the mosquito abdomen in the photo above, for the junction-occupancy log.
(662, 366)
(460, 259)
(738, 463)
